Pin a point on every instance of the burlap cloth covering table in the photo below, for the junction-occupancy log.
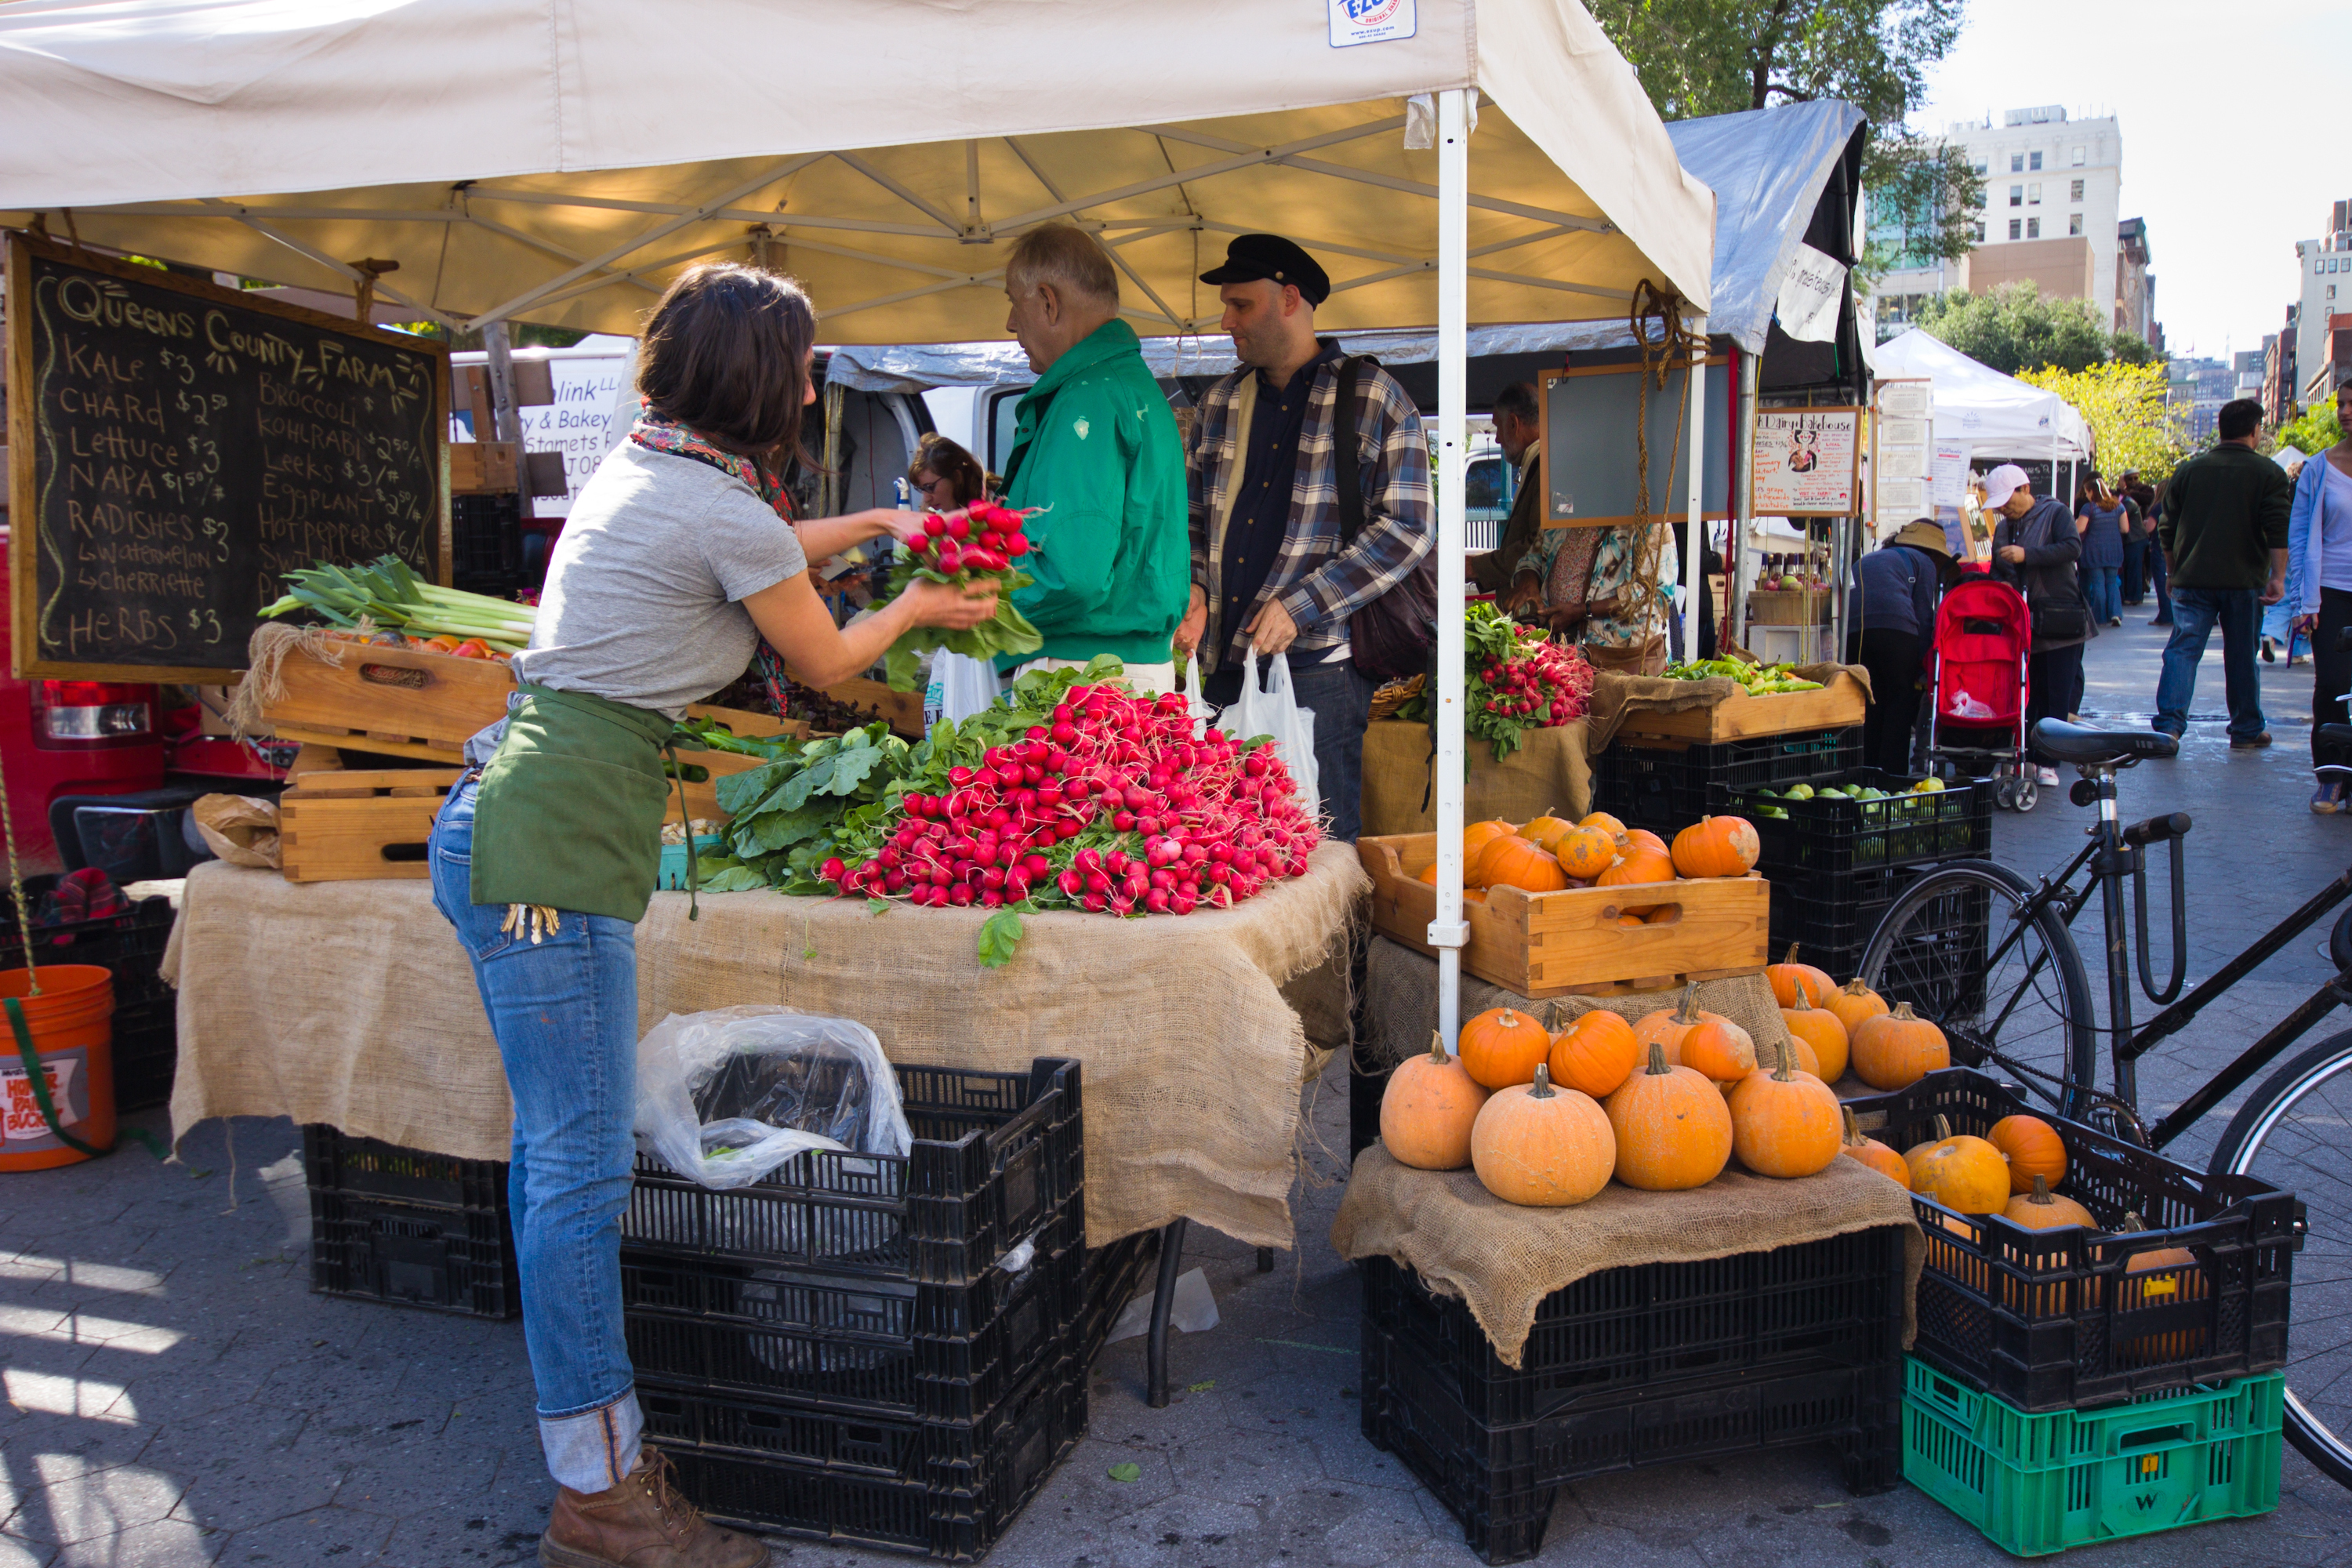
(1549, 773)
(1615, 695)
(352, 1004)
(1501, 1260)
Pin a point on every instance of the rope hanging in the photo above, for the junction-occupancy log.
(1674, 346)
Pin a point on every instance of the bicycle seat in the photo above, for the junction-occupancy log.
(2089, 748)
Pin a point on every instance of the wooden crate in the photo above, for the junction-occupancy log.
(391, 702)
(1569, 943)
(337, 823)
(904, 709)
(1789, 607)
(1836, 705)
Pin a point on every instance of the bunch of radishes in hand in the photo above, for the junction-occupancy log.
(984, 538)
(1112, 803)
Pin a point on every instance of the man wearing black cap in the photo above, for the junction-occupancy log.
(1275, 565)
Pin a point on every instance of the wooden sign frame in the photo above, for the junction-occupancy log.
(1856, 499)
(24, 534)
(1666, 511)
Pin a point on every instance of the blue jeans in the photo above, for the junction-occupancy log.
(2134, 581)
(2195, 613)
(2103, 590)
(564, 1009)
(2157, 573)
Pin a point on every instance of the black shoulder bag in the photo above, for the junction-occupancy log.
(1389, 639)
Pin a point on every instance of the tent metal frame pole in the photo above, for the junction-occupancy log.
(1447, 933)
(1694, 562)
(506, 421)
(1744, 508)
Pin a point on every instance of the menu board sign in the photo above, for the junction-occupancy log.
(1805, 462)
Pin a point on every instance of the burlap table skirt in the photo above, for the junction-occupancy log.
(352, 1004)
(1549, 773)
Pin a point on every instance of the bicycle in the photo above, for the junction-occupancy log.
(1990, 955)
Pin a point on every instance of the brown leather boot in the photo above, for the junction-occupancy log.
(641, 1523)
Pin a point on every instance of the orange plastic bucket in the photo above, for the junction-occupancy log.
(72, 1025)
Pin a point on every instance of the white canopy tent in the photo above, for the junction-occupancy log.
(1995, 416)
(559, 161)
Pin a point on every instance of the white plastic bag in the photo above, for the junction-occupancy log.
(967, 685)
(725, 1097)
(1275, 711)
(1200, 706)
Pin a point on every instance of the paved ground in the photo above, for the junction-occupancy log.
(176, 1396)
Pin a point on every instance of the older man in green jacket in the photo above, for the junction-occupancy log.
(1096, 444)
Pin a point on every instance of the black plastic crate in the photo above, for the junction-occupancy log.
(1832, 913)
(934, 1489)
(129, 944)
(1499, 1477)
(1114, 1274)
(450, 1260)
(882, 1347)
(2049, 1319)
(996, 1157)
(1668, 788)
(1834, 834)
(146, 1053)
(486, 542)
(367, 1167)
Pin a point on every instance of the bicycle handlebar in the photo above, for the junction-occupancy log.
(2157, 830)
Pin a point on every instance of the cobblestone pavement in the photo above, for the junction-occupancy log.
(176, 1396)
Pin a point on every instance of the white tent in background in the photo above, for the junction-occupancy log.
(558, 160)
(1995, 416)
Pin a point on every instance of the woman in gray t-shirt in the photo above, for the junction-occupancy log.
(676, 559)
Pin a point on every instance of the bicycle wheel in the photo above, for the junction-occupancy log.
(2295, 1132)
(2008, 991)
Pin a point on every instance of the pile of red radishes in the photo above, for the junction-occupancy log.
(1112, 803)
(985, 538)
(1542, 683)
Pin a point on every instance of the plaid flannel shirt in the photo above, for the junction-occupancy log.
(1317, 582)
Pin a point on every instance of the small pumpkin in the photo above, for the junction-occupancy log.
(1674, 1130)
(1853, 1001)
(1720, 1048)
(2035, 1149)
(1716, 846)
(1595, 1053)
(1637, 863)
(2042, 1209)
(1545, 832)
(1661, 914)
(2159, 1277)
(1800, 1057)
(1513, 862)
(1476, 836)
(1604, 822)
(1428, 874)
(1427, 1110)
(1790, 978)
(1586, 852)
(1500, 1048)
(1817, 1029)
(1898, 1048)
(1541, 1146)
(1644, 838)
(1784, 1124)
(1964, 1174)
(1871, 1153)
(1667, 1025)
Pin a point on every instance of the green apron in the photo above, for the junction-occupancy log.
(569, 810)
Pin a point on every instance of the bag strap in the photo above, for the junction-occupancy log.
(1345, 465)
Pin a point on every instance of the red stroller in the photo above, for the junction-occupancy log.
(1984, 636)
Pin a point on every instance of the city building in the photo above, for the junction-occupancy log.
(2278, 393)
(2325, 268)
(2054, 187)
(2197, 388)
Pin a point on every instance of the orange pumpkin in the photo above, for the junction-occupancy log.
(1428, 874)
(2042, 1209)
(1513, 862)
(1899, 1049)
(2161, 1278)
(1634, 921)
(1474, 840)
(1800, 1057)
(1661, 914)
(1646, 839)
(1667, 1025)
(1603, 821)
(1545, 832)
(1500, 1048)
(1789, 977)
(1594, 1054)
(1637, 863)
(1541, 1146)
(1716, 846)
(1720, 1048)
(1674, 1130)
(1784, 1124)
(1586, 852)
(1427, 1110)
(1964, 1174)
(1818, 1030)
(2035, 1150)
(1872, 1154)
(1853, 1001)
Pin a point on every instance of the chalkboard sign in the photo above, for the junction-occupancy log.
(1592, 464)
(176, 446)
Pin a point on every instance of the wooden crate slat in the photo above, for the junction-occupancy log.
(1837, 704)
(397, 695)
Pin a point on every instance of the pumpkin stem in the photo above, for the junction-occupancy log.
(1804, 1004)
(1657, 1066)
(1943, 1127)
(2041, 1198)
(1551, 1019)
(1542, 1090)
(1781, 1054)
(1853, 1129)
(1855, 987)
(1790, 956)
(2133, 1222)
(1507, 1020)
(1902, 1011)
(1687, 1012)
(1437, 1048)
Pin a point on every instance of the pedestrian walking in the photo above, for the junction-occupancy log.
(2283, 623)
(2160, 574)
(2099, 518)
(2139, 530)
(1895, 588)
(2224, 536)
(2034, 548)
(2319, 539)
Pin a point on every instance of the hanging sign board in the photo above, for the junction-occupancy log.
(1903, 439)
(177, 446)
(1592, 456)
(1807, 462)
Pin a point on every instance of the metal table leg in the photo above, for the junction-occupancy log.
(1171, 1261)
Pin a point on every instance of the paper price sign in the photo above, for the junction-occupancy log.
(1804, 462)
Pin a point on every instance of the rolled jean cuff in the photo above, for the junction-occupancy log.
(593, 1450)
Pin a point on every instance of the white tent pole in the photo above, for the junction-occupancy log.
(1695, 558)
(1447, 933)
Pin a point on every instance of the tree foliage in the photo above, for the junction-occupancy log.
(2314, 433)
(2013, 328)
(1719, 57)
(2125, 405)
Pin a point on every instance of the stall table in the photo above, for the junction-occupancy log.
(1546, 775)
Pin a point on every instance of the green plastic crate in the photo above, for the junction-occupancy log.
(2039, 1484)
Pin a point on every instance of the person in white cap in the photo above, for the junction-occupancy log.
(2035, 549)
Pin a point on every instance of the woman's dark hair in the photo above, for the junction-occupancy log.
(938, 455)
(726, 355)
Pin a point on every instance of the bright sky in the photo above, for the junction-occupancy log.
(2226, 113)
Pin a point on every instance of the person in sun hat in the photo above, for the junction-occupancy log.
(1895, 588)
(2034, 548)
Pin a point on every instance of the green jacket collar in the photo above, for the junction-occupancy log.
(1104, 344)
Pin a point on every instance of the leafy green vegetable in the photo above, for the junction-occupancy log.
(1000, 936)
